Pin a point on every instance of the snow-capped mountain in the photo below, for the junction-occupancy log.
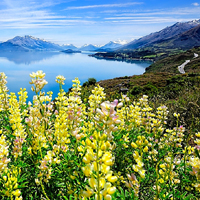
(31, 43)
(9, 47)
(114, 44)
(185, 40)
(89, 47)
(168, 32)
(69, 46)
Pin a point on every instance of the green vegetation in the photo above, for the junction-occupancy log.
(83, 146)
(146, 53)
(180, 93)
(90, 81)
(171, 63)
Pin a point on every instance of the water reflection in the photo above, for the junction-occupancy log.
(27, 58)
(132, 61)
(17, 66)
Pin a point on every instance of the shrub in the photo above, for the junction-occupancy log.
(92, 81)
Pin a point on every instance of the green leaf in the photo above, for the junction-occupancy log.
(189, 197)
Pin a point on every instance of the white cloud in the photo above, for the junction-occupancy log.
(195, 4)
(164, 12)
(35, 15)
(152, 20)
(103, 6)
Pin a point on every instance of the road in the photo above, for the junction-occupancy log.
(181, 67)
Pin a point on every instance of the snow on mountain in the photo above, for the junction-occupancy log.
(88, 47)
(186, 40)
(69, 46)
(31, 43)
(114, 44)
(8, 46)
(168, 32)
(122, 42)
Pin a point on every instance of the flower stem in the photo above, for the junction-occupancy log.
(97, 161)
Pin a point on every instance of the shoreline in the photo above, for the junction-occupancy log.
(121, 58)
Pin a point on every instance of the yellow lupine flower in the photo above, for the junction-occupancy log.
(102, 182)
(16, 193)
(142, 173)
(145, 149)
(107, 197)
(87, 170)
(135, 168)
(140, 164)
(135, 155)
(111, 190)
(106, 156)
(108, 162)
(162, 166)
(198, 134)
(88, 193)
(92, 182)
(161, 180)
(112, 179)
(18, 198)
(105, 168)
(134, 145)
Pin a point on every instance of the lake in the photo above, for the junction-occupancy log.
(18, 65)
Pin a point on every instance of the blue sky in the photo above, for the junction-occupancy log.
(89, 21)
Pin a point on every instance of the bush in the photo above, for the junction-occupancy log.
(136, 90)
(92, 81)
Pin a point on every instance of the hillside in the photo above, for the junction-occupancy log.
(8, 46)
(28, 43)
(171, 40)
(186, 40)
(180, 93)
(171, 63)
(164, 34)
(164, 85)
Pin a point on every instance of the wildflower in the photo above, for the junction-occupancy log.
(60, 79)
(38, 81)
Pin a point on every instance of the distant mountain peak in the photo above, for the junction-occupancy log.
(69, 46)
(32, 43)
(122, 42)
(168, 32)
(88, 47)
(113, 45)
(197, 21)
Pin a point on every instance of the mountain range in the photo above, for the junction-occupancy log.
(174, 33)
(181, 35)
(29, 43)
(184, 41)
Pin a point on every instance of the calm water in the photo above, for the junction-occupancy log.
(18, 66)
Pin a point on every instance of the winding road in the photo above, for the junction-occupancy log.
(181, 67)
